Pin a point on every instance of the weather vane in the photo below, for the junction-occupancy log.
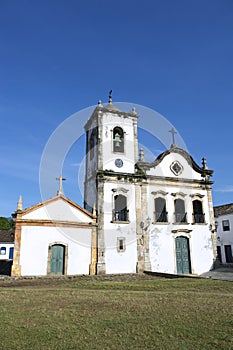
(110, 96)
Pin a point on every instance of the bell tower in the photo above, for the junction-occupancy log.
(111, 145)
(111, 155)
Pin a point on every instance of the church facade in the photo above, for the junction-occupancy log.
(151, 216)
(137, 216)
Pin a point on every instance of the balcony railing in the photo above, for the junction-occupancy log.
(199, 218)
(160, 217)
(180, 217)
(121, 215)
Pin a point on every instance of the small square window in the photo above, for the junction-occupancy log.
(3, 251)
(121, 244)
(226, 225)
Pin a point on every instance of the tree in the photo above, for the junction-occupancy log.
(5, 224)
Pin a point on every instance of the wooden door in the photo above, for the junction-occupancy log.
(228, 254)
(57, 259)
(182, 255)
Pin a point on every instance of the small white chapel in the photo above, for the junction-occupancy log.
(138, 216)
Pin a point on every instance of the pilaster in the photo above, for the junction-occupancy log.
(93, 264)
(143, 240)
(100, 267)
(140, 257)
(16, 267)
(135, 129)
(212, 221)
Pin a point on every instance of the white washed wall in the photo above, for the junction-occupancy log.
(35, 241)
(109, 123)
(7, 246)
(58, 210)
(224, 237)
(120, 262)
(162, 239)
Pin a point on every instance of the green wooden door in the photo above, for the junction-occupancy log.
(182, 255)
(57, 259)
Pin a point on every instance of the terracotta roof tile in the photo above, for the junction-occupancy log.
(223, 209)
(6, 236)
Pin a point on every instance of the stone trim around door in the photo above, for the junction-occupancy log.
(65, 257)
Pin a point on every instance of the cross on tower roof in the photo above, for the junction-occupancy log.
(173, 132)
(60, 179)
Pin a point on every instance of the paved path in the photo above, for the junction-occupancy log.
(222, 273)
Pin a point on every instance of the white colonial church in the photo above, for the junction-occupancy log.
(138, 216)
(151, 216)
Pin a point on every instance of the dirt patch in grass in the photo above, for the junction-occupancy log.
(44, 282)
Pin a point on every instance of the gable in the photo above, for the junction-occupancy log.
(176, 166)
(175, 163)
(57, 209)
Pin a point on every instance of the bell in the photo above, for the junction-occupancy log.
(117, 140)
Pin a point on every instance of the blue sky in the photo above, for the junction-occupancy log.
(58, 57)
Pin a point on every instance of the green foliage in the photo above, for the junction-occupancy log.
(5, 224)
(12, 223)
(116, 312)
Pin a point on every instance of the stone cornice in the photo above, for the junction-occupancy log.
(99, 111)
(103, 174)
(56, 223)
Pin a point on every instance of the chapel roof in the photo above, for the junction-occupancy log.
(54, 199)
(223, 209)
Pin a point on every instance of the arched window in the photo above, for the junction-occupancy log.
(160, 210)
(180, 214)
(118, 140)
(120, 212)
(198, 216)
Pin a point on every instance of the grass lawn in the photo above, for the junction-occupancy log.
(120, 312)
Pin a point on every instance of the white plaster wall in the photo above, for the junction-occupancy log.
(90, 193)
(201, 250)
(58, 210)
(35, 241)
(92, 163)
(163, 168)
(163, 254)
(119, 262)
(110, 121)
(224, 237)
(161, 250)
(162, 239)
(7, 246)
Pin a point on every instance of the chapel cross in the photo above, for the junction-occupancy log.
(173, 132)
(60, 179)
